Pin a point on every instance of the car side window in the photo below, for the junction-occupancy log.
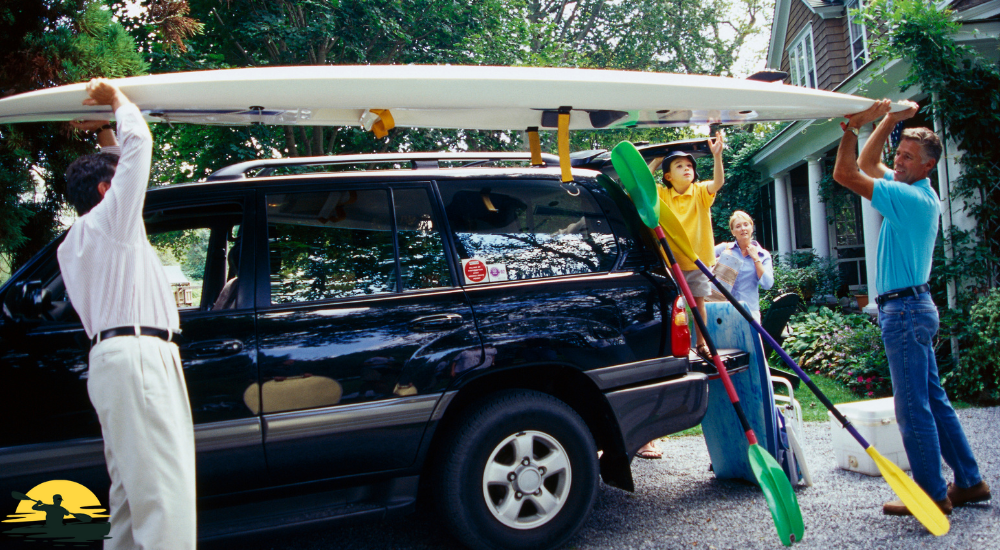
(199, 248)
(330, 244)
(517, 230)
(422, 260)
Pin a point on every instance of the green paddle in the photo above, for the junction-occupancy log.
(21, 496)
(915, 498)
(638, 182)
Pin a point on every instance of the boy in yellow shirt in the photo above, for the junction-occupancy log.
(691, 201)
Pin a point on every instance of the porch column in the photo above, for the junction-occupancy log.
(784, 230)
(817, 210)
(872, 222)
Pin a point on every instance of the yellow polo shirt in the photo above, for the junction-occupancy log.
(693, 209)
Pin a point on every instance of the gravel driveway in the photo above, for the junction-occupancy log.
(679, 504)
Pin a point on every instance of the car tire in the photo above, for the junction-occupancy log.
(520, 471)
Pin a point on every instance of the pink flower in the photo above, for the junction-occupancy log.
(871, 394)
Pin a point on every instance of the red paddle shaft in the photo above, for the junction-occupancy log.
(726, 382)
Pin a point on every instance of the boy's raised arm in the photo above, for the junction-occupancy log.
(716, 144)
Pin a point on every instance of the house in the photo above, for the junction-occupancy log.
(820, 45)
(180, 285)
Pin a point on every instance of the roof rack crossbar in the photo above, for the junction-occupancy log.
(417, 160)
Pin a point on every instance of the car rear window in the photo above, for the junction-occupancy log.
(517, 230)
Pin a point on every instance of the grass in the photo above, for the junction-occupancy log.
(812, 409)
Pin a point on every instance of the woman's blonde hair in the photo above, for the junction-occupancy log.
(739, 214)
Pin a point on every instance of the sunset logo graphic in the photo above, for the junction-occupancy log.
(60, 512)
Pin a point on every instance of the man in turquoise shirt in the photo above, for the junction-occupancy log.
(907, 314)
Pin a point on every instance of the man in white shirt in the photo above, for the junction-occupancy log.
(117, 286)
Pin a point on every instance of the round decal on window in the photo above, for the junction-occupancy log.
(475, 270)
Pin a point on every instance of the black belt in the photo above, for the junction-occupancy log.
(902, 293)
(160, 333)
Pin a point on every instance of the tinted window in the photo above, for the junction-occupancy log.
(330, 244)
(200, 251)
(421, 250)
(525, 230)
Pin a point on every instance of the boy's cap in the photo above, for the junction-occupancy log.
(674, 155)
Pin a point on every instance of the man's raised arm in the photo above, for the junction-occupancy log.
(846, 171)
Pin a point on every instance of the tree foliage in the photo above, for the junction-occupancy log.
(659, 35)
(43, 44)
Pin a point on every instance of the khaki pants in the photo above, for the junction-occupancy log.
(136, 384)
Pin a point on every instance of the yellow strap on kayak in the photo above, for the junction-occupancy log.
(384, 123)
(536, 146)
(562, 138)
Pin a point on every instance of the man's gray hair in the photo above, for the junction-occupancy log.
(929, 142)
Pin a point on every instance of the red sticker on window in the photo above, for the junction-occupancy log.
(475, 271)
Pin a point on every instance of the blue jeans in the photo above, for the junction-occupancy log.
(927, 421)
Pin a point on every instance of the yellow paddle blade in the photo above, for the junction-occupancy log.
(915, 499)
(675, 230)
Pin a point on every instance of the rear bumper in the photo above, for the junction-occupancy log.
(662, 408)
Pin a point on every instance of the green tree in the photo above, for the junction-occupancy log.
(660, 35)
(43, 44)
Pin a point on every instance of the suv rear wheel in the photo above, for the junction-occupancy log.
(520, 472)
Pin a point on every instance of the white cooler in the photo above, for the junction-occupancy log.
(875, 420)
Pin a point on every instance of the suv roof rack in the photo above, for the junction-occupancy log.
(417, 160)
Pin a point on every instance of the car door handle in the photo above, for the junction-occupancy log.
(213, 348)
(441, 321)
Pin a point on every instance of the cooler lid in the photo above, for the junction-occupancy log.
(874, 410)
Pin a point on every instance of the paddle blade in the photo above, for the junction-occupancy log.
(83, 518)
(780, 497)
(637, 181)
(915, 499)
(20, 496)
(675, 230)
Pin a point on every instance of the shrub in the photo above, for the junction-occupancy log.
(845, 347)
(977, 376)
(863, 366)
(803, 273)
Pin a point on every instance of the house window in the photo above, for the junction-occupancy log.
(801, 61)
(857, 35)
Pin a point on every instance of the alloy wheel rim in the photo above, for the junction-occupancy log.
(527, 479)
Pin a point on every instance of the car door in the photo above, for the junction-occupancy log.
(43, 358)
(360, 325)
(548, 292)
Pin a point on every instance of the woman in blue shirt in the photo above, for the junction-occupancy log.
(743, 265)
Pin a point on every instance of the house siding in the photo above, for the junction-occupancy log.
(830, 44)
(799, 16)
(833, 54)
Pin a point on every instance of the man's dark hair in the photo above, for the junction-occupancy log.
(928, 141)
(82, 178)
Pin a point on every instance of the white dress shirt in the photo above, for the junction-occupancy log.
(111, 272)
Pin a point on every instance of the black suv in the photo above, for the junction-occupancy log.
(359, 330)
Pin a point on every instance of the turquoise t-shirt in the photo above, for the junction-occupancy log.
(906, 241)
